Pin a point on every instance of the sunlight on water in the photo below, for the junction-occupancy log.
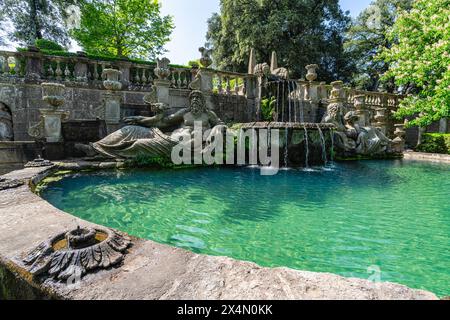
(345, 218)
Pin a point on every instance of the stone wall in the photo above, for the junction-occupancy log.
(25, 100)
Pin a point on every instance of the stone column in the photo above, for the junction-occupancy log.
(380, 119)
(125, 67)
(34, 64)
(361, 110)
(81, 67)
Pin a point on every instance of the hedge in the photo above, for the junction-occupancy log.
(435, 143)
(100, 57)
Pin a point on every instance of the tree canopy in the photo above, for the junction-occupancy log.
(36, 19)
(302, 32)
(420, 56)
(129, 28)
(366, 38)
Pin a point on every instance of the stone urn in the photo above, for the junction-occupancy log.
(162, 70)
(312, 72)
(112, 82)
(205, 60)
(53, 94)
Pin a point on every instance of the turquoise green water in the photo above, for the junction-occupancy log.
(352, 219)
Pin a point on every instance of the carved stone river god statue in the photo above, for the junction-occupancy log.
(144, 135)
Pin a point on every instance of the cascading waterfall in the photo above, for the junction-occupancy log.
(306, 147)
(286, 148)
(332, 144)
(324, 147)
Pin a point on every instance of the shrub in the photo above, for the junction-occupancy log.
(435, 143)
(45, 44)
(268, 108)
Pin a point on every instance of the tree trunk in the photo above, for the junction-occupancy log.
(34, 7)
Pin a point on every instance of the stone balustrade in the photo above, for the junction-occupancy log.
(230, 83)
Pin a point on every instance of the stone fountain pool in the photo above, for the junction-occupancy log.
(383, 220)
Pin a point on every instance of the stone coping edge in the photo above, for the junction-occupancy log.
(433, 157)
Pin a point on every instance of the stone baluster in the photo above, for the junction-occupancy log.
(236, 86)
(58, 71)
(186, 79)
(17, 66)
(144, 77)
(228, 85)
(179, 82)
(96, 74)
(219, 83)
(67, 72)
(50, 71)
(137, 77)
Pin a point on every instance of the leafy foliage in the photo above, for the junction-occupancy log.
(268, 108)
(128, 28)
(435, 143)
(37, 19)
(302, 32)
(421, 58)
(45, 44)
(367, 37)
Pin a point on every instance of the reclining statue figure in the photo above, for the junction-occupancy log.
(350, 137)
(143, 135)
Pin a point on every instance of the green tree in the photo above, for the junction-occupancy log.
(37, 19)
(128, 28)
(421, 57)
(302, 32)
(365, 39)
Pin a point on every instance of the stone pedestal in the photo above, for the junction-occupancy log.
(206, 81)
(111, 114)
(162, 90)
(398, 144)
(51, 121)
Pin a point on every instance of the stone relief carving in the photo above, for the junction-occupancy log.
(76, 253)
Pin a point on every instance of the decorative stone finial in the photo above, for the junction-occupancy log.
(312, 72)
(251, 62)
(274, 62)
(205, 59)
(77, 252)
(162, 70)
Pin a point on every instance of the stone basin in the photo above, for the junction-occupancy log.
(151, 270)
